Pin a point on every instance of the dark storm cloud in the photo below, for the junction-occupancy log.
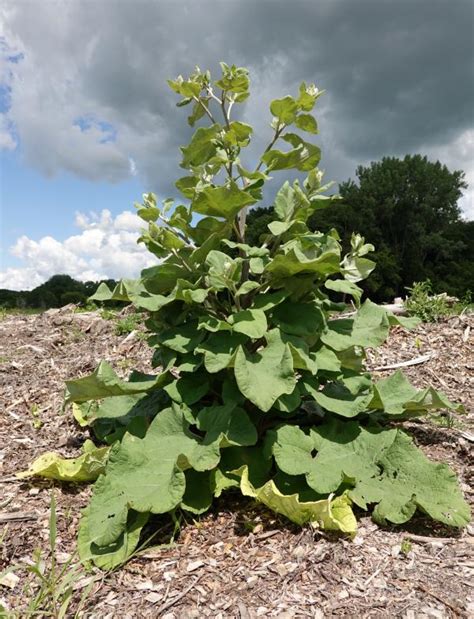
(399, 76)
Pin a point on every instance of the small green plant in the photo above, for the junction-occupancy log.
(35, 413)
(86, 306)
(3, 312)
(406, 546)
(48, 588)
(465, 304)
(128, 323)
(425, 305)
(108, 314)
(446, 420)
(74, 334)
(262, 384)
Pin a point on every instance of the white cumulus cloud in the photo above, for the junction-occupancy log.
(106, 247)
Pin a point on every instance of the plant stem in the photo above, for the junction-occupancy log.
(205, 108)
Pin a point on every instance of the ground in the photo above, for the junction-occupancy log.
(239, 560)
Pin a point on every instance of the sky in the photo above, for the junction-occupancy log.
(87, 122)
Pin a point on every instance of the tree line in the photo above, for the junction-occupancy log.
(59, 290)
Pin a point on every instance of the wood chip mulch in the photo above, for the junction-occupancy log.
(238, 560)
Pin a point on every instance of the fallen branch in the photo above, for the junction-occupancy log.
(457, 610)
(179, 597)
(404, 364)
(17, 516)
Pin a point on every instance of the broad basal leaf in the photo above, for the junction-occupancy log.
(396, 396)
(407, 481)
(147, 474)
(345, 451)
(113, 555)
(381, 464)
(264, 376)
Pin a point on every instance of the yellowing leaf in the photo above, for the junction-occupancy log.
(85, 468)
(331, 514)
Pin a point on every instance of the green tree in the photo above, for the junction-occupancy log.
(406, 208)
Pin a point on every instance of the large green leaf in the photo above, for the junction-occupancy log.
(320, 260)
(189, 388)
(201, 148)
(104, 382)
(396, 396)
(147, 474)
(346, 452)
(132, 291)
(346, 397)
(264, 376)
(284, 203)
(408, 480)
(223, 202)
(329, 514)
(302, 319)
(220, 350)
(228, 422)
(327, 360)
(345, 287)
(118, 552)
(307, 122)
(369, 327)
(182, 339)
(161, 279)
(381, 464)
(302, 359)
(251, 322)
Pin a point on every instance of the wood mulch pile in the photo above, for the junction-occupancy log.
(238, 560)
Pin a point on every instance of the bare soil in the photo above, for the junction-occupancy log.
(238, 560)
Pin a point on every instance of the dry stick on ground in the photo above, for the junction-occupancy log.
(459, 612)
(404, 364)
(16, 516)
(176, 599)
